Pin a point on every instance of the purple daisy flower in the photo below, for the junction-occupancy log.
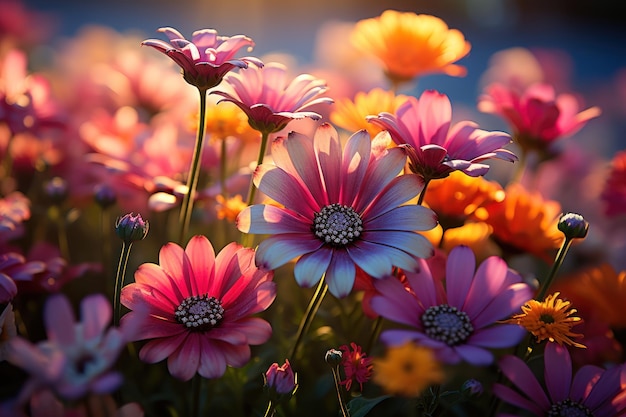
(341, 209)
(592, 391)
(435, 147)
(459, 322)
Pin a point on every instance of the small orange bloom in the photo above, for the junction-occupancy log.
(350, 115)
(229, 208)
(225, 120)
(603, 289)
(410, 45)
(407, 370)
(524, 221)
(551, 319)
(458, 196)
(477, 236)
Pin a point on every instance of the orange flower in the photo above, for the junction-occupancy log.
(407, 370)
(350, 115)
(459, 195)
(474, 235)
(410, 45)
(229, 208)
(603, 289)
(551, 319)
(225, 120)
(524, 222)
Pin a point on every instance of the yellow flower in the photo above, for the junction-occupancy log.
(407, 370)
(524, 222)
(229, 208)
(551, 319)
(225, 120)
(410, 45)
(350, 115)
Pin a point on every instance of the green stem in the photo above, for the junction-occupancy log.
(271, 409)
(555, 267)
(119, 282)
(376, 329)
(311, 310)
(342, 404)
(420, 199)
(194, 171)
(246, 238)
(520, 167)
(105, 227)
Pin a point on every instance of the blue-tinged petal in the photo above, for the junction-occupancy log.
(498, 336)
(395, 303)
(460, 268)
(412, 243)
(408, 218)
(310, 267)
(277, 250)
(268, 219)
(340, 274)
(400, 190)
(376, 263)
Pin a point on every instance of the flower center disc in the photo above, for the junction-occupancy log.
(199, 312)
(337, 225)
(568, 408)
(447, 324)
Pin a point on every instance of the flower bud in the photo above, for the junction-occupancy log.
(333, 357)
(573, 226)
(104, 196)
(56, 190)
(131, 228)
(280, 378)
(472, 388)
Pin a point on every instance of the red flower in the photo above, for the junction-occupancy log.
(356, 365)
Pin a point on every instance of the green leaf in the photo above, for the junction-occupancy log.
(360, 406)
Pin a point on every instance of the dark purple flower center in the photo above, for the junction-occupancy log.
(568, 408)
(200, 312)
(447, 324)
(337, 225)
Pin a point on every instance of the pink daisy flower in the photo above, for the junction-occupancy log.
(537, 115)
(198, 308)
(341, 210)
(435, 147)
(356, 365)
(207, 57)
(614, 192)
(270, 99)
(78, 357)
(460, 323)
(592, 391)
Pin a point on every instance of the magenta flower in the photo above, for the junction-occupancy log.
(198, 308)
(207, 57)
(537, 115)
(592, 391)
(77, 357)
(341, 210)
(460, 323)
(356, 365)
(280, 379)
(270, 100)
(435, 147)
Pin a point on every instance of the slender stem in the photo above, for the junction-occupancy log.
(194, 171)
(420, 200)
(271, 409)
(246, 238)
(342, 404)
(555, 267)
(105, 228)
(119, 281)
(311, 310)
(223, 169)
(376, 329)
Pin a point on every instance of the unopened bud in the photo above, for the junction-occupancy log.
(131, 228)
(573, 226)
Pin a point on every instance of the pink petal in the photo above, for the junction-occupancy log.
(435, 113)
(400, 190)
(311, 266)
(184, 362)
(460, 268)
(230, 264)
(395, 303)
(251, 300)
(153, 276)
(143, 298)
(407, 218)
(171, 260)
(268, 219)
(340, 274)
(277, 250)
(285, 189)
(485, 286)
(412, 243)
(158, 349)
(236, 356)
(59, 320)
(202, 261)
(521, 376)
(212, 361)
(150, 327)
(423, 285)
(256, 330)
(396, 337)
(512, 397)
(95, 315)
(356, 158)
(328, 151)
(503, 305)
